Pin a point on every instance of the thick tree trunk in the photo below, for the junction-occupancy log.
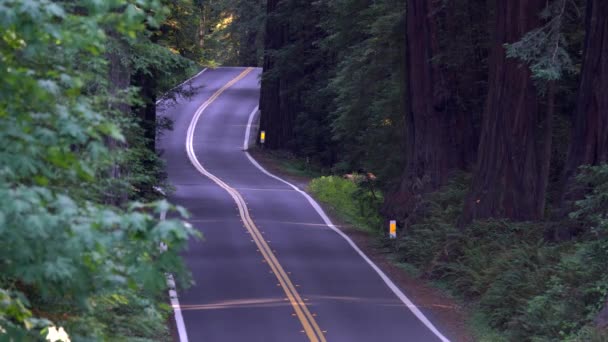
(590, 129)
(277, 112)
(512, 169)
(147, 111)
(440, 134)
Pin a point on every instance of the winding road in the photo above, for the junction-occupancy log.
(271, 266)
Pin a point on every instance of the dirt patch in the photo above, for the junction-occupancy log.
(447, 314)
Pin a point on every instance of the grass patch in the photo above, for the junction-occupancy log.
(482, 331)
(353, 202)
(409, 269)
(295, 166)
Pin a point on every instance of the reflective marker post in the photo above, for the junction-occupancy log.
(262, 137)
(392, 230)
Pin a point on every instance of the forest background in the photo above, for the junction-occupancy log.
(484, 123)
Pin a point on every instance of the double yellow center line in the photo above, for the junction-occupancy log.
(311, 328)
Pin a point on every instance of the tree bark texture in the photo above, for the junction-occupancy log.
(441, 136)
(510, 177)
(248, 51)
(589, 144)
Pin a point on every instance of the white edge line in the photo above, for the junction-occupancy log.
(177, 309)
(248, 130)
(410, 305)
(181, 84)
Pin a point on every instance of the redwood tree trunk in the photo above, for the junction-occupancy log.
(440, 134)
(510, 178)
(590, 130)
(277, 116)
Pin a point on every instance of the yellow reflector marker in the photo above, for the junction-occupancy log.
(262, 136)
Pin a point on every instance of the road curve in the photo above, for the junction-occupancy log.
(269, 268)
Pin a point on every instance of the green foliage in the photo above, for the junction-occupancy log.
(67, 256)
(236, 32)
(343, 73)
(303, 68)
(136, 315)
(544, 48)
(226, 32)
(179, 31)
(346, 59)
(157, 60)
(212, 33)
(574, 295)
(299, 167)
(524, 287)
(354, 201)
(594, 181)
(482, 330)
(579, 286)
(432, 235)
(368, 85)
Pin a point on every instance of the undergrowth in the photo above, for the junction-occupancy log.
(525, 287)
(522, 286)
(295, 166)
(356, 202)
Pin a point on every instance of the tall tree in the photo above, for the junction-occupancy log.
(440, 132)
(366, 85)
(248, 27)
(510, 178)
(276, 119)
(291, 66)
(590, 130)
(65, 95)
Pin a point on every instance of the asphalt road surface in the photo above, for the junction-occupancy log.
(269, 268)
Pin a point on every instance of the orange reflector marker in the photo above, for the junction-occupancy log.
(393, 229)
